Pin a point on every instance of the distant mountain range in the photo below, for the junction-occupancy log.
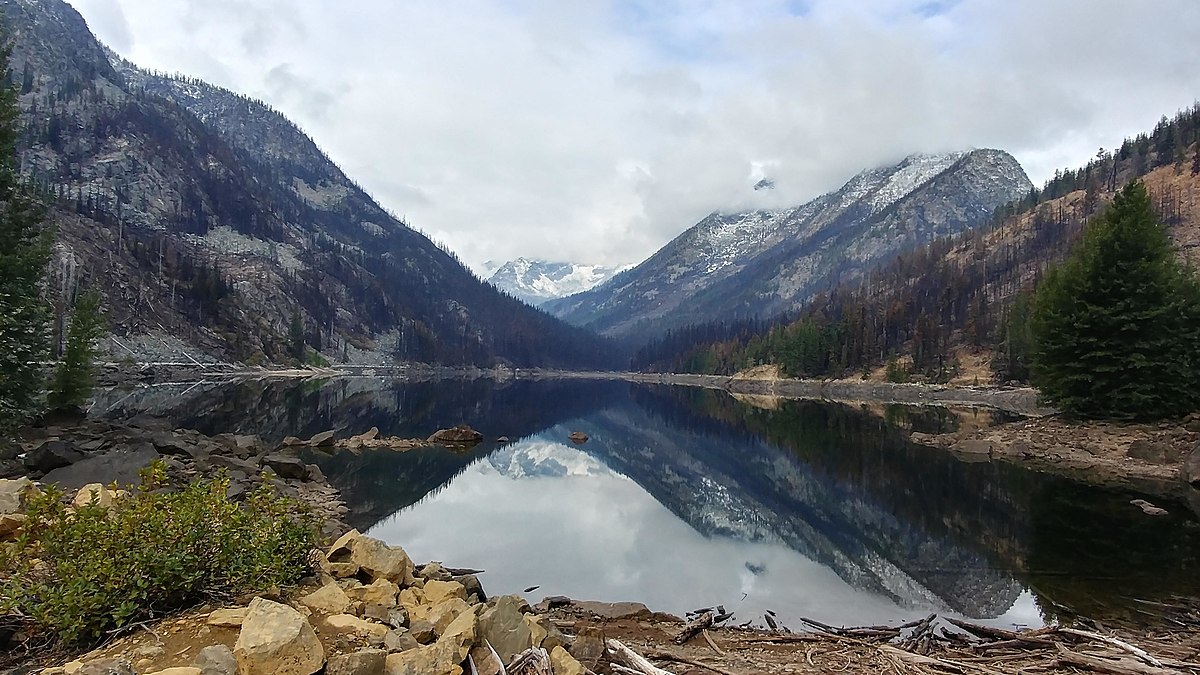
(537, 281)
(208, 218)
(763, 263)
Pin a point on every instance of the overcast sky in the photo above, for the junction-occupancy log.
(596, 131)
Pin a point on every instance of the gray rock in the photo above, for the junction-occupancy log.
(1154, 453)
(216, 660)
(422, 632)
(503, 626)
(459, 435)
(399, 640)
(284, 466)
(588, 647)
(51, 455)
(119, 465)
(1191, 467)
(396, 617)
(472, 585)
(323, 439)
(364, 662)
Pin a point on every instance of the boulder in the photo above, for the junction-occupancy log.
(396, 617)
(442, 657)
(324, 439)
(328, 599)
(615, 610)
(399, 640)
(578, 437)
(372, 556)
(348, 623)
(291, 442)
(1191, 467)
(445, 612)
(277, 639)
(1152, 452)
(434, 572)
(177, 670)
(459, 435)
(363, 662)
(13, 493)
(472, 586)
(51, 455)
(543, 632)
(285, 466)
(564, 663)
(422, 631)
(379, 592)
(438, 591)
(94, 493)
(588, 647)
(503, 626)
(228, 618)
(119, 465)
(10, 524)
(216, 660)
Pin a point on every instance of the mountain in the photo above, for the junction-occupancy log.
(956, 308)
(536, 281)
(207, 219)
(762, 263)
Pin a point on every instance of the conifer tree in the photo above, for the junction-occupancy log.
(1116, 327)
(75, 376)
(24, 252)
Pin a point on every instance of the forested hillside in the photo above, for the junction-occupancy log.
(960, 295)
(208, 219)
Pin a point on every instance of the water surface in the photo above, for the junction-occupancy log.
(685, 498)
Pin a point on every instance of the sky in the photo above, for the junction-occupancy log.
(596, 131)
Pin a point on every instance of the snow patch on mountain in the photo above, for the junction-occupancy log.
(536, 281)
(542, 457)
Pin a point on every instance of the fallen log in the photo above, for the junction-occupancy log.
(1121, 666)
(635, 661)
(1142, 654)
(663, 655)
(693, 627)
(998, 633)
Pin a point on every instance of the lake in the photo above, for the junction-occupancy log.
(685, 498)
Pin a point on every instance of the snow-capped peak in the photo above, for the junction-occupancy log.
(537, 281)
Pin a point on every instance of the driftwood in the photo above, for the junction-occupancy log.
(678, 658)
(1136, 651)
(532, 661)
(998, 633)
(636, 662)
(712, 643)
(693, 627)
(1121, 666)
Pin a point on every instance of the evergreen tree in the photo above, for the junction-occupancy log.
(24, 252)
(76, 376)
(296, 344)
(1116, 327)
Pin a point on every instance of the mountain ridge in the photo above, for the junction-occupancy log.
(205, 215)
(535, 281)
(767, 262)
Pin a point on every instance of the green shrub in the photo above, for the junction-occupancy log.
(897, 372)
(81, 574)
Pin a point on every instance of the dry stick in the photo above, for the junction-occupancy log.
(639, 662)
(694, 626)
(997, 633)
(668, 656)
(912, 659)
(1132, 649)
(712, 643)
(1120, 667)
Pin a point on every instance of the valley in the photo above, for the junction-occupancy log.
(866, 402)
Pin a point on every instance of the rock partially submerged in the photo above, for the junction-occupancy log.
(458, 435)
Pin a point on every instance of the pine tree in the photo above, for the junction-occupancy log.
(24, 252)
(1116, 327)
(296, 344)
(75, 376)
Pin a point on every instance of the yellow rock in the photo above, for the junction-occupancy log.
(102, 496)
(227, 618)
(379, 592)
(414, 602)
(346, 623)
(329, 599)
(182, 670)
(443, 613)
(564, 663)
(437, 591)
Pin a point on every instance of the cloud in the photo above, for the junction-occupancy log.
(596, 131)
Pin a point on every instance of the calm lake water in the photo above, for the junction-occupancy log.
(685, 498)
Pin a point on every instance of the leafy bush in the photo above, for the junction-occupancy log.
(79, 574)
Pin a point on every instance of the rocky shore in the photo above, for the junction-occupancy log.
(1152, 458)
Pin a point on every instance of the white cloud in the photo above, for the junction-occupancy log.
(596, 131)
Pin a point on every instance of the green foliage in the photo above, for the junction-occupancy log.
(1015, 351)
(76, 376)
(1116, 327)
(897, 371)
(296, 346)
(78, 575)
(24, 252)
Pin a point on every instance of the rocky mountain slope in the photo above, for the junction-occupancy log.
(537, 281)
(210, 217)
(762, 263)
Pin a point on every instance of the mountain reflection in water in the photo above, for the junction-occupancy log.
(686, 498)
